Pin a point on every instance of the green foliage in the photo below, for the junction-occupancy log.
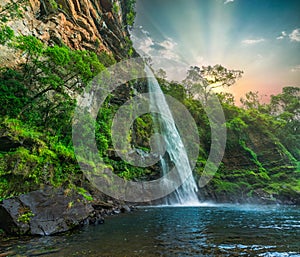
(251, 100)
(173, 89)
(29, 44)
(53, 4)
(127, 171)
(116, 8)
(25, 217)
(201, 82)
(141, 132)
(252, 154)
(13, 93)
(106, 59)
(130, 12)
(56, 68)
(6, 34)
(41, 160)
(103, 132)
(226, 186)
(236, 124)
(51, 74)
(285, 107)
(58, 55)
(129, 46)
(84, 193)
(226, 99)
(37, 111)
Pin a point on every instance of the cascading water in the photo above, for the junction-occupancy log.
(165, 124)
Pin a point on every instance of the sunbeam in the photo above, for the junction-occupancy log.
(262, 38)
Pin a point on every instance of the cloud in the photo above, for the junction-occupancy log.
(282, 36)
(168, 44)
(142, 41)
(163, 53)
(228, 1)
(253, 41)
(295, 35)
(296, 69)
(147, 46)
(166, 49)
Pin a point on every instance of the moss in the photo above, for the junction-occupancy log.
(84, 193)
(41, 160)
(252, 154)
(53, 4)
(25, 215)
(115, 8)
(226, 186)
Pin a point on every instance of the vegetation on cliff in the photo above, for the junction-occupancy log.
(37, 100)
(262, 152)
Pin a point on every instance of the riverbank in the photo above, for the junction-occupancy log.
(50, 211)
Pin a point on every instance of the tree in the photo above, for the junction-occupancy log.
(200, 82)
(160, 73)
(287, 102)
(251, 100)
(226, 98)
(57, 69)
(41, 91)
(286, 109)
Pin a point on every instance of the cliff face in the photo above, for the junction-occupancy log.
(258, 169)
(97, 25)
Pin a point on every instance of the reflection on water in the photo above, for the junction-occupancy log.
(211, 230)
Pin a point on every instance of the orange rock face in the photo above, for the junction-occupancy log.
(79, 24)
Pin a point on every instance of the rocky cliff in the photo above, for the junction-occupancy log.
(258, 169)
(86, 24)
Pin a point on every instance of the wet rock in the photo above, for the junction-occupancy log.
(116, 211)
(43, 212)
(125, 208)
(7, 253)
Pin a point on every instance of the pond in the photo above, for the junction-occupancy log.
(206, 230)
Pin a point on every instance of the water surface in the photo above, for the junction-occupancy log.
(208, 230)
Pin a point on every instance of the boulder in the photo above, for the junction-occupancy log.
(44, 212)
(125, 208)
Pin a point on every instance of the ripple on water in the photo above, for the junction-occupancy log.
(221, 230)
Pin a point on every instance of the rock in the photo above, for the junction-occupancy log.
(116, 211)
(43, 212)
(106, 5)
(59, 25)
(125, 208)
(41, 252)
(7, 253)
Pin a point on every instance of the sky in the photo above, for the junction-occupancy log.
(259, 37)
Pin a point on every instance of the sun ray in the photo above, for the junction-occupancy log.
(238, 35)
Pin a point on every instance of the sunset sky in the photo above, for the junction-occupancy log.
(260, 37)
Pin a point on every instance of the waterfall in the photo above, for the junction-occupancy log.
(173, 145)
